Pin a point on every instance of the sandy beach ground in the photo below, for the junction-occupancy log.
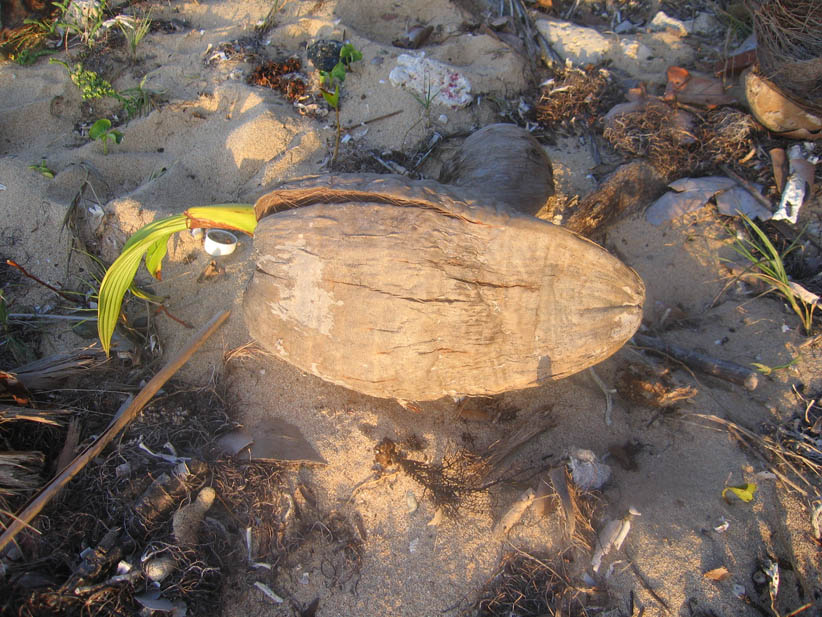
(215, 138)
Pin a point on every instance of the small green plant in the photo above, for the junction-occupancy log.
(91, 85)
(768, 266)
(134, 29)
(42, 168)
(768, 370)
(139, 100)
(335, 78)
(26, 57)
(426, 99)
(102, 131)
(83, 20)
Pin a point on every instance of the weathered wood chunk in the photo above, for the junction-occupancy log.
(399, 289)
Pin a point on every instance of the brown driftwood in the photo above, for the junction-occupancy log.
(400, 289)
(120, 422)
(502, 163)
(631, 187)
(729, 371)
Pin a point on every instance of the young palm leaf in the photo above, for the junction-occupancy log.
(151, 241)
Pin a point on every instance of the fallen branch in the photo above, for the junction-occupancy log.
(48, 492)
(729, 371)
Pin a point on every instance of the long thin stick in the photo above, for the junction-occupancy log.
(52, 488)
(729, 371)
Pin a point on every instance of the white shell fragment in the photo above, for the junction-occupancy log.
(411, 502)
(432, 80)
(611, 537)
(515, 512)
(587, 472)
(186, 521)
(159, 568)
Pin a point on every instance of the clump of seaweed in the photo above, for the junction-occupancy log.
(452, 484)
(529, 586)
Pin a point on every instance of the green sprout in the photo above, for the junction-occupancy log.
(42, 168)
(134, 29)
(768, 370)
(334, 79)
(102, 131)
(150, 243)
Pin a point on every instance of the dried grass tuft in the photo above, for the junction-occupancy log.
(575, 100)
(789, 48)
(679, 145)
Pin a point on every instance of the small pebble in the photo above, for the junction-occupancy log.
(411, 502)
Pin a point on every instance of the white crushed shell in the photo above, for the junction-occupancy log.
(586, 471)
(430, 79)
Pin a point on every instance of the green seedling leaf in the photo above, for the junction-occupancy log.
(332, 99)
(152, 241)
(338, 72)
(349, 54)
(118, 136)
(42, 168)
(120, 275)
(155, 255)
(744, 491)
(100, 128)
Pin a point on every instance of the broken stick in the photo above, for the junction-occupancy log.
(52, 488)
(729, 371)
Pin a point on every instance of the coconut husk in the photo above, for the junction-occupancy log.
(400, 289)
(789, 48)
(492, 163)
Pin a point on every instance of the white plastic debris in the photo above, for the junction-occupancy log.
(153, 602)
(722, 526)
(413, 545)
(434, 81)
(611, 537)
(269, 593)
(801, 168)
(586, 471)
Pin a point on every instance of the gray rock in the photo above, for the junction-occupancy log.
(578, 44)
